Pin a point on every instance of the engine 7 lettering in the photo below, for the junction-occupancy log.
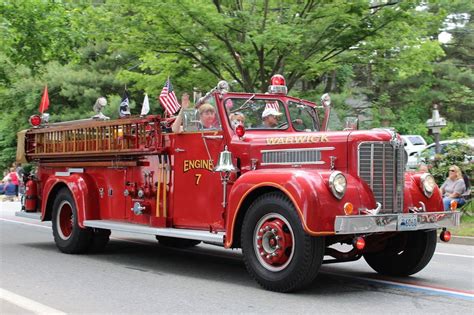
(197, 164)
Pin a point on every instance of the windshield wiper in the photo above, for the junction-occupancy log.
(243, 105)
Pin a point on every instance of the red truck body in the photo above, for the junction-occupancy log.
(135, 175)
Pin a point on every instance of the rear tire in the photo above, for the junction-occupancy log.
(278, 253)
(405, 254)
(69, 237)
(176, 242)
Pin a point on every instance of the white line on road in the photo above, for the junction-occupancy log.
(25, 223)
(27, 304)
(455, 255)
(426, 288)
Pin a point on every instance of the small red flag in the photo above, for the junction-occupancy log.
(44, 101)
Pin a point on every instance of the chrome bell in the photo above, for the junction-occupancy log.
(225, 162)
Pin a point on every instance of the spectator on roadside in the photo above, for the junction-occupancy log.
(13, 176)
(423, 168)
(2, 187)
(10, 191)
(453, 187)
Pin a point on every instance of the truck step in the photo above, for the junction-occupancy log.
(199, 235)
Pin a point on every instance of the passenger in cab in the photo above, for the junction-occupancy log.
(207, 116)
(270, 118)
(237, 118)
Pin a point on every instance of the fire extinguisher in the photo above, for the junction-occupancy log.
(31, 195)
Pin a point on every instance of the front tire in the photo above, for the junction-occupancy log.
(277, 252)
(69, 237)
(405, 254)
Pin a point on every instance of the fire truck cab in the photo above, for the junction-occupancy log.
(284, 188)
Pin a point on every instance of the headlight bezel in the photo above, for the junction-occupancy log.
(334, 183)
(425, 180)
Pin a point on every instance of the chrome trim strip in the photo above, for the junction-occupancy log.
(360, 224)
(295, 150)
(294, 163)
(299, 156)
(75, 170)
(198, 235)
(62, 174)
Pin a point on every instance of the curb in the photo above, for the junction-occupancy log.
(462, 240)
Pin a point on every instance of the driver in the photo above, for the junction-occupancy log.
(270, 118)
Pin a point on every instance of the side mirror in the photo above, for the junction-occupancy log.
(326, 100)
(190, 120)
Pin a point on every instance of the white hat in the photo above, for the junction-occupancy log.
(270, 111)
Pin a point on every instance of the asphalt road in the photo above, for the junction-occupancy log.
(136, 276)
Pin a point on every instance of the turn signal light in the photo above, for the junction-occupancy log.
(445, 236)
(359, 243)
(348, 208)
(240, 131)
(453, 205)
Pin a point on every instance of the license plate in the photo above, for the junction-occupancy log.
(407, 222)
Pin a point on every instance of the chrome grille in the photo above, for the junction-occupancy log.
(293, 156)
(382, 167)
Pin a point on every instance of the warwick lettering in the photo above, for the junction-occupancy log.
(299, 139)
(197, 164)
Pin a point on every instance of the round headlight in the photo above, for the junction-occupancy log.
(428, 184)
(338, 184)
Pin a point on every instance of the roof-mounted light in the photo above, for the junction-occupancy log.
(277, 85)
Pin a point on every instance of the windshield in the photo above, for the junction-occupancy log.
(256, 113)
(303, 117)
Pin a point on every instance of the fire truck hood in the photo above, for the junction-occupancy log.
(276, 149)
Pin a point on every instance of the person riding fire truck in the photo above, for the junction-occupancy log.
(284, 194)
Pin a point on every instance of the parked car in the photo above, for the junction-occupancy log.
(413, 144)
(429, 152)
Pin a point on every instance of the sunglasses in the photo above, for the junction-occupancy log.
(452, 170)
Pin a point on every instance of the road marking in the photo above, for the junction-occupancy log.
(27, 304)
(455, 255)
(429, 289)
(25, 223)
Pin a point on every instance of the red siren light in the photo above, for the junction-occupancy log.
(277, 85)
(35, 120)
(278, 79)
(240, 131)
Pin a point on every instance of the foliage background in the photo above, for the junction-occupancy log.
(380, 60)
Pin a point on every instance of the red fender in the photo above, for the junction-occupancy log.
(414, 194)
(307, 189)
(82, 190)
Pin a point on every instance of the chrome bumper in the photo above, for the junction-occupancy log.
(357, 224)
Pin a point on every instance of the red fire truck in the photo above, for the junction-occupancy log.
(284, 193)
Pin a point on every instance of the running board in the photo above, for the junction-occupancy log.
(29, 215)
(198, 235)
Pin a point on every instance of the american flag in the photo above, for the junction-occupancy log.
(168, 99)
(273, 105)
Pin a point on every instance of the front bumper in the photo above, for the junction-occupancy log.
(362, 224)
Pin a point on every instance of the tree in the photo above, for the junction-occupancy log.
(249, 42)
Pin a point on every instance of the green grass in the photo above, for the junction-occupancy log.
(467, 221)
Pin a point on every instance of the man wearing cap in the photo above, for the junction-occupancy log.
(270, 117)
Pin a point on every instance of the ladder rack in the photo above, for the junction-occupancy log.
(90, 138)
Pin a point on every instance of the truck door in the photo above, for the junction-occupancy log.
(196, 189)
